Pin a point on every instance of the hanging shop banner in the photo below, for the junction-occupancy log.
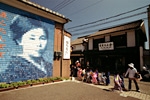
(66, 48)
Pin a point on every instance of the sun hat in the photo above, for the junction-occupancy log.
(131, 65)
(77, 61)
(144, 68)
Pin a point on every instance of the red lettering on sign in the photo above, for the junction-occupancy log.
(2, 22)
(1, 54)
(3, 15)
(1, 39)
(2, 30)
(2, 46)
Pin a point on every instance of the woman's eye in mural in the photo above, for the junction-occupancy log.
(43, 37)
(31, 38)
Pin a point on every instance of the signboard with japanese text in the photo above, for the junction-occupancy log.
(26, 45)
(106, 46)
(66, 48)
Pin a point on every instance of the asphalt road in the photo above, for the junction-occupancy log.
(68, 90)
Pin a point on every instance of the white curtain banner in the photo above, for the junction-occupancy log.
(66, 54)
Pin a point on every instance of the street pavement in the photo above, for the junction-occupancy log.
(74, 90)
(144, 86)
(68, 90)
(144, 94)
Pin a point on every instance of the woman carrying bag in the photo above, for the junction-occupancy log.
(132, 71)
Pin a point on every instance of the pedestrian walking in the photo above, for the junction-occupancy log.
(94, 77)
(79, 73)
(107, 77)
(74, 73)
(131, 72)
(122, 82)
(117, 82)
(103, 77)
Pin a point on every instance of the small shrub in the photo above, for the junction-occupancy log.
(4, 85)
(58, 78)
(34, 81)
(66, 78)
(29, 82)
(21, 83)
(45, 80)
(13, 84)
(41, 80)
(51, 79)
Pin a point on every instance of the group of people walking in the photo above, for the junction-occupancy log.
(89, 75)
(93, 76)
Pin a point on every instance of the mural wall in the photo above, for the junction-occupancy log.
(26, 45)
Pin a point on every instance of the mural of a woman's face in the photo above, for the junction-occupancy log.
(34, 42)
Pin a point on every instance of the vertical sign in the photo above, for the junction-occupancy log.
(66, 48)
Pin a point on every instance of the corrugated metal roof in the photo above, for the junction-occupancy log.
(43, 8)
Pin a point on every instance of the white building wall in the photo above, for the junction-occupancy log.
(90, 44)
(130, 39)
(107, 38)
(141, 57)
(78, 47)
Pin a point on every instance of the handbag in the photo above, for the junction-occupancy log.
(137, 75)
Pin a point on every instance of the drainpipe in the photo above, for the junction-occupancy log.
(62, 43)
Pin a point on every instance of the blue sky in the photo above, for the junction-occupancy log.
(87, 11)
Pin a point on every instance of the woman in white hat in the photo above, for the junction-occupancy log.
(132, 71)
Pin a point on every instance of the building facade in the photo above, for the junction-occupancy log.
(32, 41)
(112, 49)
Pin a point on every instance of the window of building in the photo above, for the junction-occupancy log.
(96, 42)
(119, 40)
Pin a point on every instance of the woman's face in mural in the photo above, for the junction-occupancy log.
(34, 42)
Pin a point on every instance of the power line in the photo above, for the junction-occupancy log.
(95, 30)
(85, 8)
(107, 18)
(59, 4)
(63, 4)
(110, 21)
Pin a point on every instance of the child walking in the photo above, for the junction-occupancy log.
(94, 77)
(117, 82)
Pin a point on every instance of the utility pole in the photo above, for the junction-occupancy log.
(148, 12)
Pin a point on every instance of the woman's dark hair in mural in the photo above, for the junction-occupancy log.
(20, 25)
(32, 36)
